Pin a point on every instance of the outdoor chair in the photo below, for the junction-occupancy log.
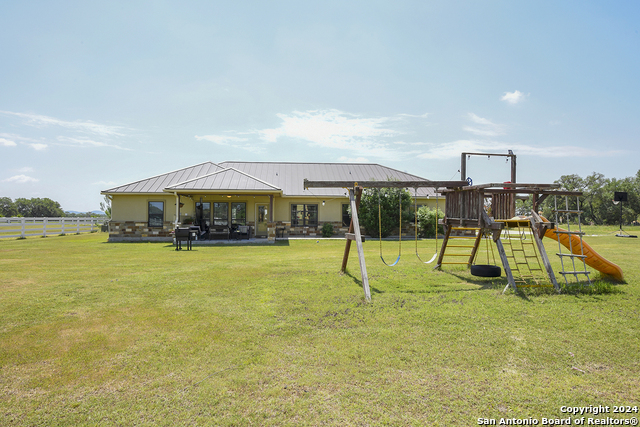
(222, 231)
(244, 231)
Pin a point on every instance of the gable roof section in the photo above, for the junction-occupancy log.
(158, 183)
(228, 179)
(281, 177)
(290, 176)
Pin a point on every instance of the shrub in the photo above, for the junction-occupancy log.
(427, 221)
(388, 199)
(327, 229)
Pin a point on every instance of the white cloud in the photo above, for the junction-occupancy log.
(513, 97)
(419, 116)
(38, 146)
(86, 126)
(25, 169)
(335, 129)
(84, 142)
(7, 143)
(331, 129)
(484, 127)
(221, 139)
(20, 179)
(234, 141)
(453, 149)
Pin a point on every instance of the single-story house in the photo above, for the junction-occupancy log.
(269, 197)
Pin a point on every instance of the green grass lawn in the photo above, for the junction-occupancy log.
(96, 333)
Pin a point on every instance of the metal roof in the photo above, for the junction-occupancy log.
(158, 183)
(284, 177)
(290, 176)
(228, 179)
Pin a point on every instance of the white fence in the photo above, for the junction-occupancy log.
(27, 227)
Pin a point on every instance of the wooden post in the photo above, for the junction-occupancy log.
(22, 224)
(270, 207)
(536, 224)
(463, 166)
(476, 245)
(513, 166)
(447, 232)
(505, 265)
(347, 246)
(356, 229)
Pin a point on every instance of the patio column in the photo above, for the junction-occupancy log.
(270, 207)
(177, 215)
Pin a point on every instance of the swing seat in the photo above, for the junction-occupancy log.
(484, 270)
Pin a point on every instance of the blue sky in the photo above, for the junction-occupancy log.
(97, 94)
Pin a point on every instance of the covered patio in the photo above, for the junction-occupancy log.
(227, 205)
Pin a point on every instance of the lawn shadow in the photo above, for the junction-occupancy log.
(495, 283)
(358, 282)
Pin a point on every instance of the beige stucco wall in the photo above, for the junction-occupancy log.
(136, 207)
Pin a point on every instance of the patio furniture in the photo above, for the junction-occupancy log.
(243, 232)
(219, 231)
(233, 232)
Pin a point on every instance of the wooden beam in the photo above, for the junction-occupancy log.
(356, 229)
(447, 233)
(347, 246)
(352, 236)
(384, 184)
(505, 265)
(538, 227)
(538, 201)
(476, 245)
(511, 185)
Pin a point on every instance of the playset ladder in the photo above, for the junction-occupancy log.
(571, 255)
(463, 239)
(523, 252)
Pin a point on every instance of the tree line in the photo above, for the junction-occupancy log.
(597, 201)
(34, 208)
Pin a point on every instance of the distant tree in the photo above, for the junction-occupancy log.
(7, 207)
(427, 221)
(106, 206)
(596, 202)
(389, 199)
(38, 208)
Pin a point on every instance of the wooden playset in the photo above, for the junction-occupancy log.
(474, 213)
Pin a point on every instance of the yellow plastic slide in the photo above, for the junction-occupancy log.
(593, 259)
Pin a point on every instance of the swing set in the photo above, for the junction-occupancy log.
(415, 198)
(355, 193)
(466, 222)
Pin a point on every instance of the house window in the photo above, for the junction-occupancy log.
(239, 213)
(156, 214)
(304, 215)
(346, 217)
(221, 214)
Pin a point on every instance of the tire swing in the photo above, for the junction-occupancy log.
(433, 258)
(487, 270)
(380, 231)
